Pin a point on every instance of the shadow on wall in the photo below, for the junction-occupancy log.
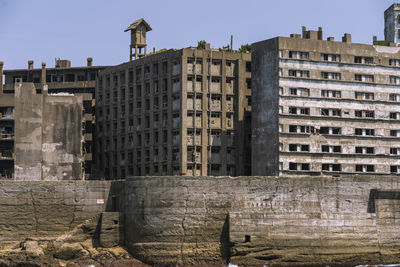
(378, 194)
(226, 245)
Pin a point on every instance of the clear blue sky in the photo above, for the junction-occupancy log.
(76, 29)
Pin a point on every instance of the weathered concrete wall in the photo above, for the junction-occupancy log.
(47, 209)
(265, 122)
(28, 133)
(62, 137)
(297, 219)
(48, 135)
(211, 220)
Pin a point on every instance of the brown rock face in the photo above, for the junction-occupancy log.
(70, 251)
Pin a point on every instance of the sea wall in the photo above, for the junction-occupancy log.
(205, 221)
(32, 209)
(257, 220)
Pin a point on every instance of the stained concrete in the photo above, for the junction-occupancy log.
(48, 135)
(205, 221)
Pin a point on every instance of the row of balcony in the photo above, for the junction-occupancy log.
(215, 122)
(215, 69)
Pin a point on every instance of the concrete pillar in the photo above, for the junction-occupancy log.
(1, 77)
(346, 38)
(320, 35)
(43, 73)
(30, 65)
(89, 61)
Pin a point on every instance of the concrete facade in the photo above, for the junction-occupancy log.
(64, 79)
(183, 112)
(325, 107)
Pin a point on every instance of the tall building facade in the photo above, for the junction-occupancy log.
(79, 81)
(178, 112)
(324, 106)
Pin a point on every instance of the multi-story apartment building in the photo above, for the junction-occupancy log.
(178, 112)
(324, 106)
(6, 132)
(79, 81)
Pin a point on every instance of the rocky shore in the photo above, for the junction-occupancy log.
(79, 247)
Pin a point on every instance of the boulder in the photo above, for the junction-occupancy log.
(32, 248)
(70, 251)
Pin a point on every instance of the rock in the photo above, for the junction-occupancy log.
(32, 248)
(70, 251)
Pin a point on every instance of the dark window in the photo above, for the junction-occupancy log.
(248, 66)
(305, 148)
(358, 131)
(325, 148)
(336, 112)
(325, 112)
(359, 168)
(325, 167)
(305, 111)
(292, 166)
(370, 168)
(369, 132)
(370, 150)
(292, 128)
(292, 110)
(369, 114)
(359, 149)
(336, 130)
(336, 167)
(324, 130)
(393, 168)
(248, 83)
(292, 147)
(337, 149)
(305, 167)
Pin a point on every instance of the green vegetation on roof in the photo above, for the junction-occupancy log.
(201, 45)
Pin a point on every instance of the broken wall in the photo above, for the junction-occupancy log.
(48, 135)
(62, 137)
(27, 132)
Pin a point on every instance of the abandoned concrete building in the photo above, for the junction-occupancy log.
(79, 81)
(324, 106)
(177, 112)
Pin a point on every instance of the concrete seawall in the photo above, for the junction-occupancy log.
(47, 209)
(253, 220)
(212, 220)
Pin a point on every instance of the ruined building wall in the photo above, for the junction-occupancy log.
(48, 135)
(182, 112)
(62, 137)
(28, 133)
